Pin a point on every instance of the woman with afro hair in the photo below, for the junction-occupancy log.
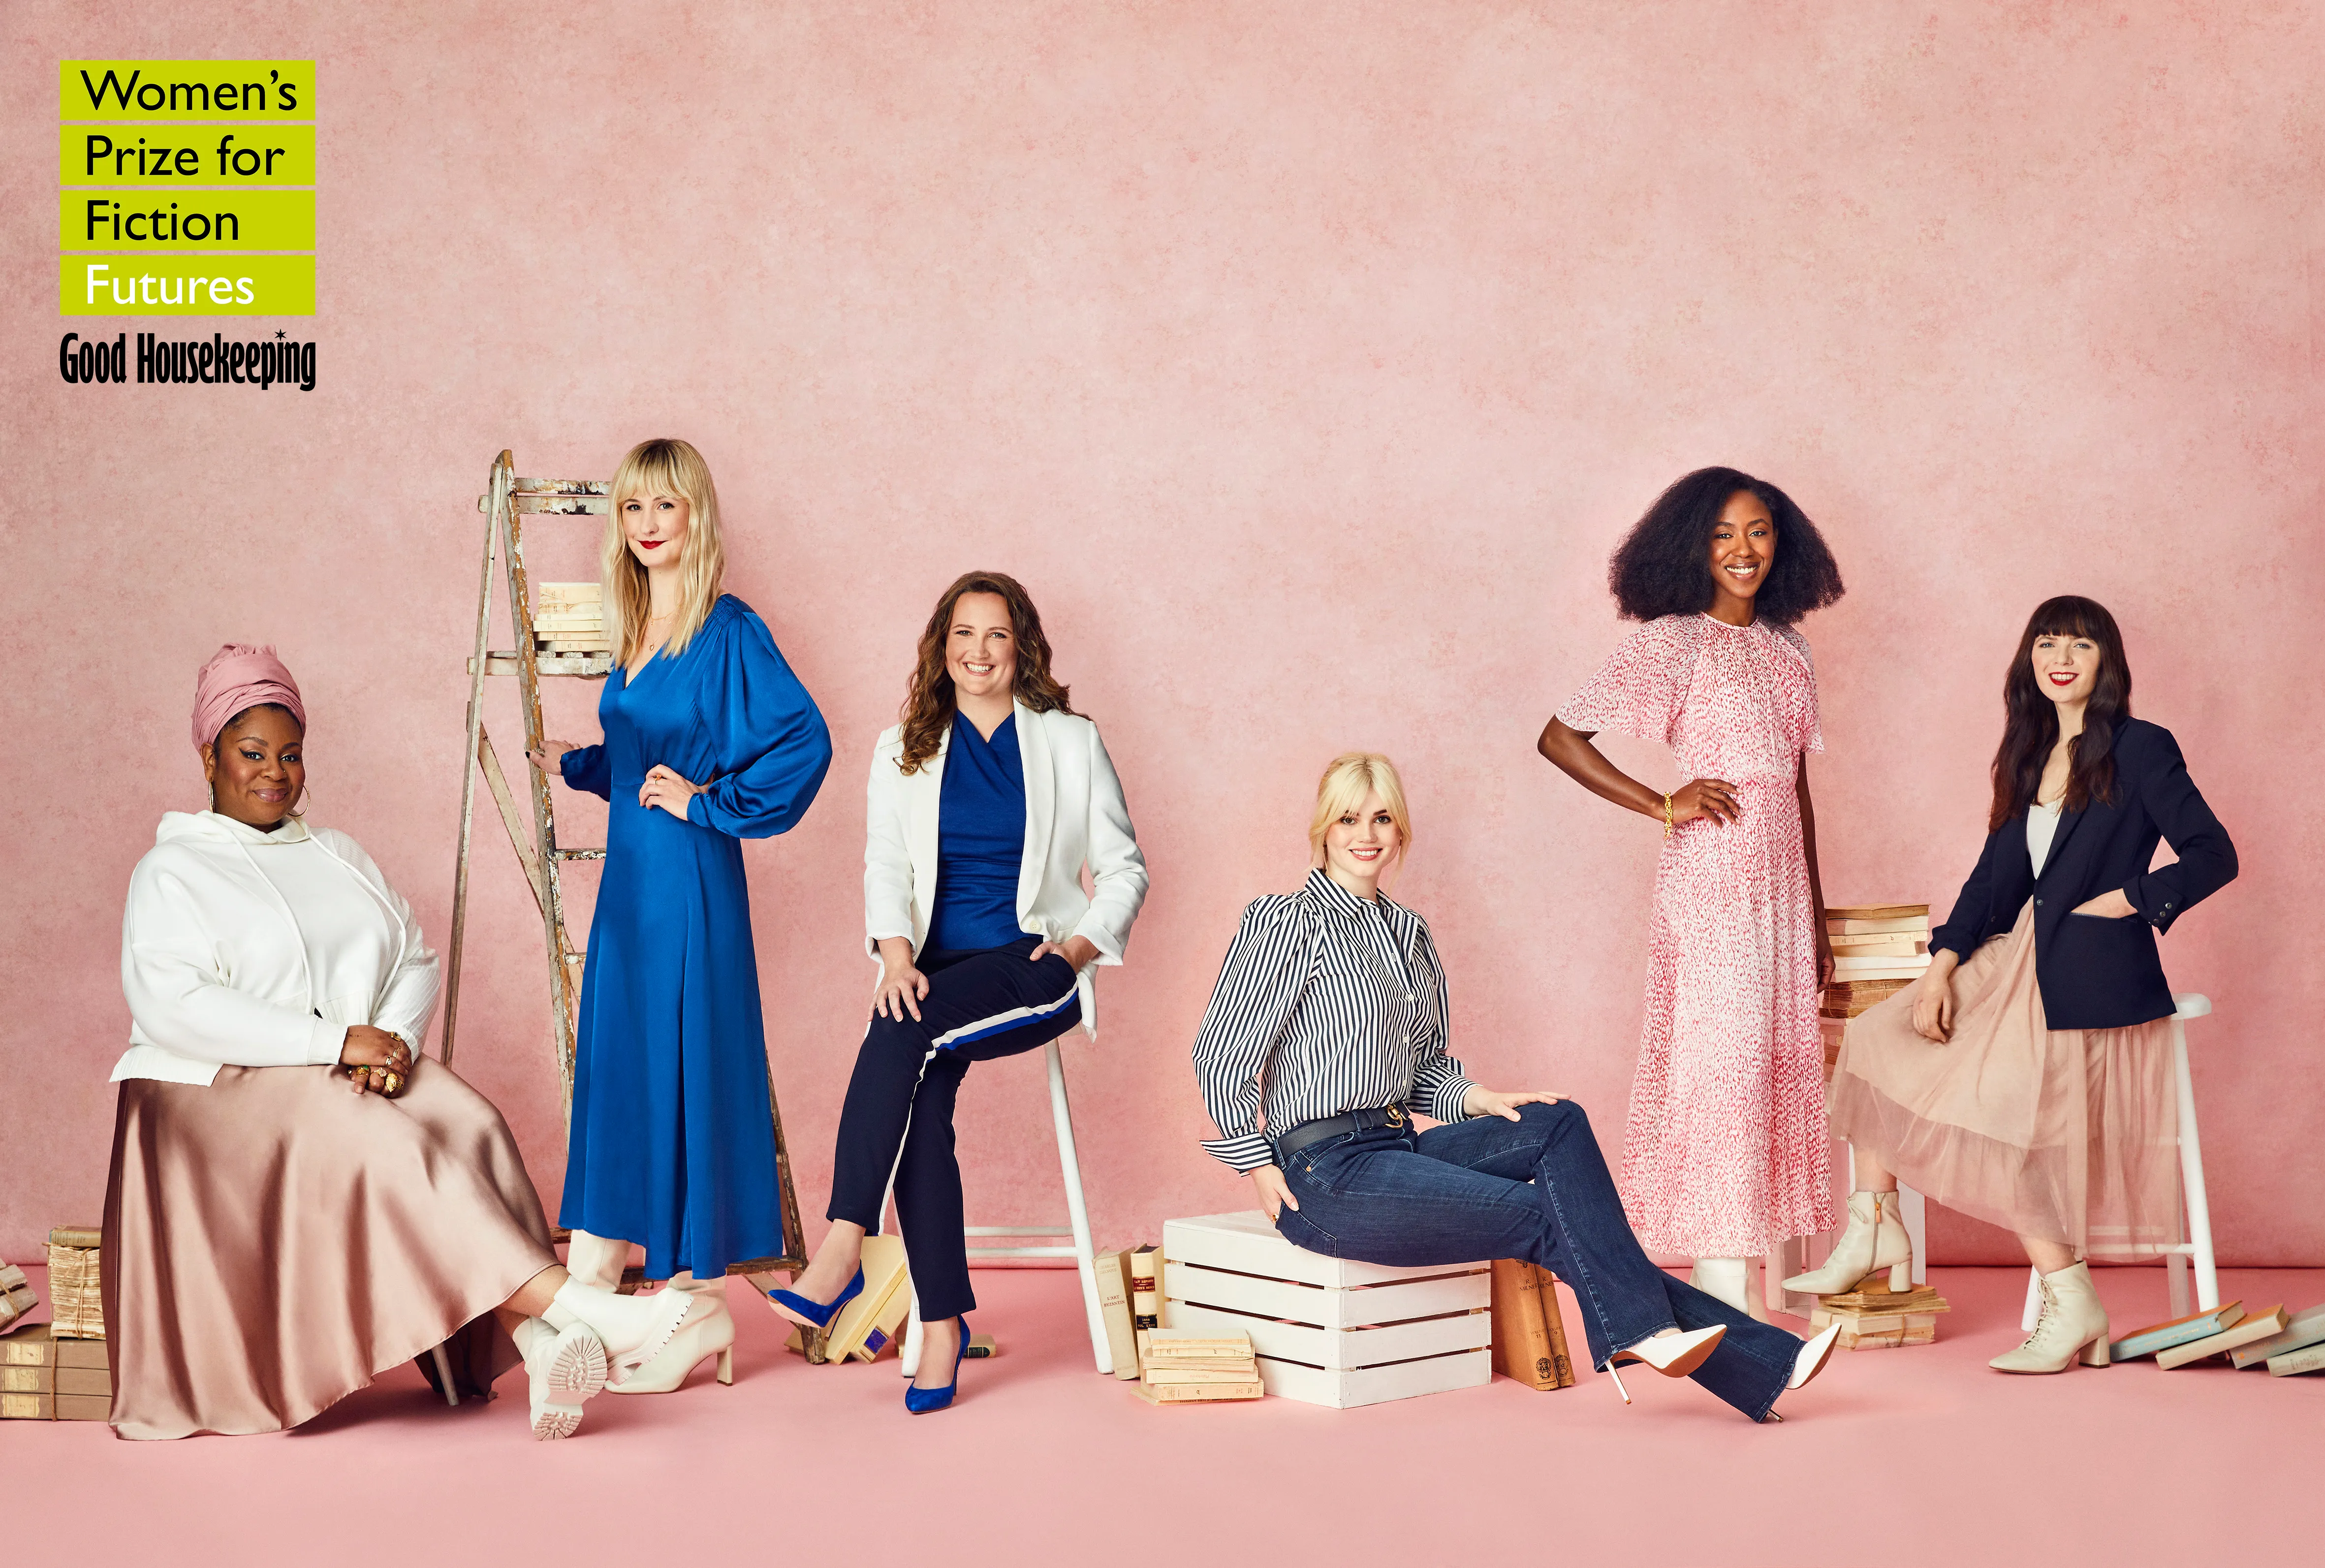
(1726, 1155)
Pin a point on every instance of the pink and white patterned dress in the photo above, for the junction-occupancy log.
(1726, 1153)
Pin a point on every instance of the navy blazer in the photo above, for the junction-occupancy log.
(2098, 973)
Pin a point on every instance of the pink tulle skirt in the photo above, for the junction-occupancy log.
(2064, 1135)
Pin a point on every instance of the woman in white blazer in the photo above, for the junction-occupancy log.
(298, 1199)
(985, 804)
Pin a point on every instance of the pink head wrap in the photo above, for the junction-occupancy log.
(239, 676)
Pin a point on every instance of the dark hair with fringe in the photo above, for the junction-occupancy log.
(2030, 725)
(1663, 565)
(929, 702)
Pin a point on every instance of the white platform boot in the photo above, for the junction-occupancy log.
(633, 1328)
(1873, 1240)
(1733, 1280)
(2073, 1325)
(710, 1331)
(564, 1369)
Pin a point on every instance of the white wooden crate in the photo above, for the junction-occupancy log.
(1328, 1330)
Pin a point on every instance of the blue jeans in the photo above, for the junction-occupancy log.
(1535, 1189)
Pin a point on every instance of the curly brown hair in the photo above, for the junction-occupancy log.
(928, 703)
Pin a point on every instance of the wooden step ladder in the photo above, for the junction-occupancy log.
(508, 501)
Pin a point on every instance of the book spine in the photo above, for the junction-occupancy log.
(2294, 1362)
(1521, 1339)
(1554, 1324)
(1145, 1292)
(1114, 1307)
(1202, 1393)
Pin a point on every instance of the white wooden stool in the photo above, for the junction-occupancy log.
(2194, 1204)
(1077, 1226)
(1328, 1330)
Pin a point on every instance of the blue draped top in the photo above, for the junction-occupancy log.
(980, 839)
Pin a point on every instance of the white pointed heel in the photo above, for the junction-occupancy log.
(2074, 1327)
(1873, 1240)
(709, 1330)
(1672, 1354)
(1812, 1357)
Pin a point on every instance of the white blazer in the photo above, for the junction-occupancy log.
(1075, 816)
(226, 964)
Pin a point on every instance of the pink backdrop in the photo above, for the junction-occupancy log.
(1305, 362)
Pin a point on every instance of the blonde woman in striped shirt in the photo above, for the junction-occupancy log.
(1327, 1036)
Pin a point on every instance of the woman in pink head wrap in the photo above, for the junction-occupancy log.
(299, 1200)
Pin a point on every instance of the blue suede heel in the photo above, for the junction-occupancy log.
(819, 1314)
(922, 1401)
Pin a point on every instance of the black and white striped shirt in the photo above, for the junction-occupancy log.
(1327, 1003)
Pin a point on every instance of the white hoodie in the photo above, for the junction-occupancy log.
(246, 948)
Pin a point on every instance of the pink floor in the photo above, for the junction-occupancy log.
(1897, 1457)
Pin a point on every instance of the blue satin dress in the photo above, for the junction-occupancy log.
(672, 1143)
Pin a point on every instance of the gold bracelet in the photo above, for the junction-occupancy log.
(1667, 816)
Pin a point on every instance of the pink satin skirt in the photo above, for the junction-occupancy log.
(274, 1241)
(2065, 1135)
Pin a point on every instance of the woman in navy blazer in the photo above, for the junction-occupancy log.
(2027, 1077)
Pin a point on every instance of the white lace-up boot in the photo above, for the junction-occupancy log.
(1874, 1240)
(2073, 1325)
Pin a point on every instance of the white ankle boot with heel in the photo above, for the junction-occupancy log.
(1873, 1240)
(709, 1330)
(598, 1261)
(2073, 1326)
(1733, 1280)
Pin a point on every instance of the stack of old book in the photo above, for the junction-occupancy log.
(1529, 1330)
(16, 1298)
(1877, 950)
(76, 1311)
(43, 1377)
(568, 617)
(1880, 1319)
(2286, 1343)
(1196, 1367)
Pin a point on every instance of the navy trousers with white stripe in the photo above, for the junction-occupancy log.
(981, 1005)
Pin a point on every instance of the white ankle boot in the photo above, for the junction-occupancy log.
(1733, 1280)
(2073, 1325)
(1874, 1240)
(564, 1368)
(709, 1330)
(634, 1328)
(596, 1261)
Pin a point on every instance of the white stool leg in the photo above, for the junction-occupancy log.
(2034, 1312)
(2192, 1175)
(1915, 1213)
(1077, 1210)
(444, 1376)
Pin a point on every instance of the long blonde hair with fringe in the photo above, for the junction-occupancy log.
(1353, 776)
(664, 466)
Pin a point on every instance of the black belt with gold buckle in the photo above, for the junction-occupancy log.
(1348, 1121)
